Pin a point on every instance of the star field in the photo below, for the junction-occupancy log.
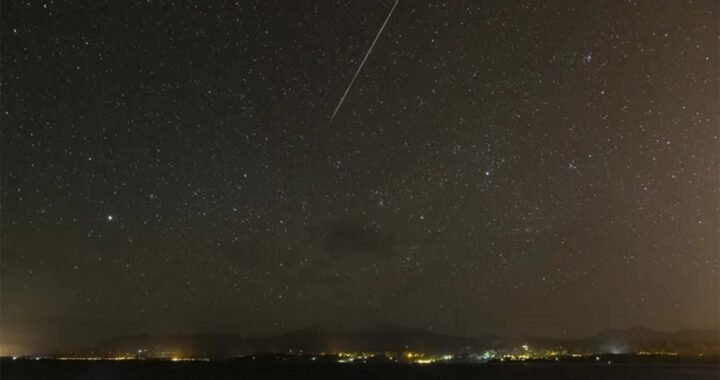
(498, 167)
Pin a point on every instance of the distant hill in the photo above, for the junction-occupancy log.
(306, 340)
(318, 339)
(642, 339)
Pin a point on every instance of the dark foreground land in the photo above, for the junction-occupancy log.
(159, 370)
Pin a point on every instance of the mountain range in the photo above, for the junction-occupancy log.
(318, 340)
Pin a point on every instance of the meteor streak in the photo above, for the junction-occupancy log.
(363, 61)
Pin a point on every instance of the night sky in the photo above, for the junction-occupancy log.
(509, 167)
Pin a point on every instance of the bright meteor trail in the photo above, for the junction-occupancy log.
(364, 59)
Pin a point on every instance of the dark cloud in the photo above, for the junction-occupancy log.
(353, 237)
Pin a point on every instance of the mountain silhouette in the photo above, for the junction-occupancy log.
(326, 338)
